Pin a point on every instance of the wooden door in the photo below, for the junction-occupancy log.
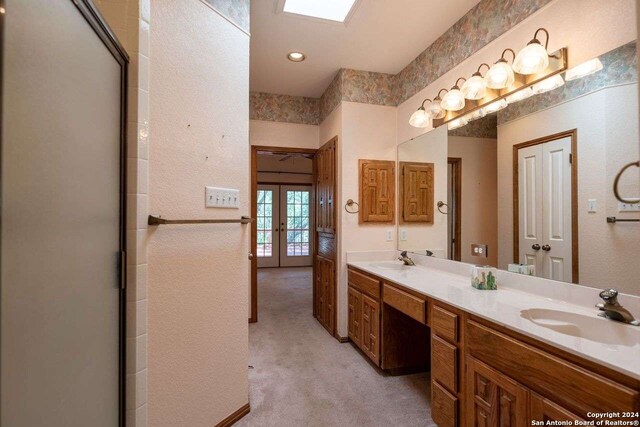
(542, 409)
(377, 191)
(531, 236)
(416, 192)
(355, 316)
(493, 399)
(370, 328)
(320, 190)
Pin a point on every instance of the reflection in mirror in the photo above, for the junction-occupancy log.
(533, 183)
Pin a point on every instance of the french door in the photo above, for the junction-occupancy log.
(284, 225)
(544, 208)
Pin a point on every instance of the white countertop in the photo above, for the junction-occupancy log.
(614, 344)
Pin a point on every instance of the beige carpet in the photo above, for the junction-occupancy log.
(304, 377)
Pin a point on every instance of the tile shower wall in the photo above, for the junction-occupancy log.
(130, 20)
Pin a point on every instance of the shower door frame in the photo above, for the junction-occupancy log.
(100, 27)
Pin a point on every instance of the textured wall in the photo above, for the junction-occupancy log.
(284, 108)
(198, 274)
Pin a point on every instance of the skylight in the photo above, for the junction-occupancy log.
(333, 10)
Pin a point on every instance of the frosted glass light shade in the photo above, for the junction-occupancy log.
(453, 100)
(474, 88)
(457, 123)
(496, 106)
(586, 68)
(531, 60)
(520, 95)
(478, 114)
(435, 110)
(420, 119)
(499, 76)
(548, 84)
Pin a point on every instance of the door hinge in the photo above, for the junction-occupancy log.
(121, 270)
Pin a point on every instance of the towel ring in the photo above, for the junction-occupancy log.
(441, 204)
(350, 203)
(615, 183)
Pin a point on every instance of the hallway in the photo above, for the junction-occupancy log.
(303, 376)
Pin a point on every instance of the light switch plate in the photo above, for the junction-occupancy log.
(389, 236)
(403, 235)
(479, 250)
(216, 197)
(628, 207)
(592, 205)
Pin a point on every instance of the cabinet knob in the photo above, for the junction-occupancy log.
(250, 255)
(535, 247)
(546, 248)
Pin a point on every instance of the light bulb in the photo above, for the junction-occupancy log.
(457, 123)
(520, 95)
(496, 106)
(546, 85)
(586, 68)
(499, 76)
(453, 100)
(478, 114)
(420, 119)
(532, 59)
(435, 109)
(474, 88)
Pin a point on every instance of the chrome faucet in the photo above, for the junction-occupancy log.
(404, 258)
(613, 310)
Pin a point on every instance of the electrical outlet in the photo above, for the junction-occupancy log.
(479, 250)
(389, 236)
(216, 197)
(403, 235)
(628, 207)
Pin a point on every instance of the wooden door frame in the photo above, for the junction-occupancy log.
(573, 134)
(456, 175)
(254, 214)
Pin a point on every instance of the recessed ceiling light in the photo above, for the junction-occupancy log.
(332, 10)
(296, 56)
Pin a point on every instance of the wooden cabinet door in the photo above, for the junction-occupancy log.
(355, 316)
(320, 190)
(493, 399)
(416, 192)
(370, 328)
(542, 409)
(377, 191)
(325, 292)
(325, 187)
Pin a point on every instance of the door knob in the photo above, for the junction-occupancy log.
(535, 247)
(546, 248)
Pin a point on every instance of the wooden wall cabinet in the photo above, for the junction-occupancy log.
(326, 187)
(377, 191)
(416, 192)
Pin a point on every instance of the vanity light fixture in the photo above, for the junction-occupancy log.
(500, 75)
(477, 114)
(421, 118)
(435, 109)
(496, 106)
(546, 85)
(454, 100)
(520, 95)
(534, 58)
(457, 123)
(586, 68)
(296, 56)
(475, 87)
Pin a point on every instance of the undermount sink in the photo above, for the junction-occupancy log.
(390, 265)
(592, 328)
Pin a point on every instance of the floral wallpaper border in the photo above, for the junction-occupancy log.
(619, 67)
(237, 11)
(284, 108)
(486, 127)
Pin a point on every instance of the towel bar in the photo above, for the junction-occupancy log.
(154, 220)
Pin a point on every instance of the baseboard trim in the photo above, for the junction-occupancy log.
(235, 417)
(342, 339)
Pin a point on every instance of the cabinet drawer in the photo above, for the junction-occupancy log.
(571, 386)
(444, 406)
(364, 283)
(444, 323)
(404, 302)
(444, 363)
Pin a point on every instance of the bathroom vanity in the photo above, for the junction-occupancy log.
(497, 358)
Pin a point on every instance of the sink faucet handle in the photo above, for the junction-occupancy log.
(610, 296)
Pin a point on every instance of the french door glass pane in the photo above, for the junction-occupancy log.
(265, 223)
(298, 223)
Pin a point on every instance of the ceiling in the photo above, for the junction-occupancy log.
(381, 35)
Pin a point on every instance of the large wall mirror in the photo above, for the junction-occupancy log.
(533, 183)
